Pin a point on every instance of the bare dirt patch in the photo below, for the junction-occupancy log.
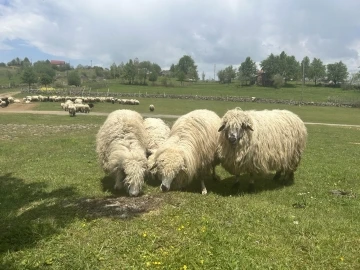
(19, 107)
(121, 207)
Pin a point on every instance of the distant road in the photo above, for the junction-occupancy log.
(169, 116)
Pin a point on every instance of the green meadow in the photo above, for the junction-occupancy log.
(58, 210)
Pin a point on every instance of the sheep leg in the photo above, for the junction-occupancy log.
(203, 188)
(119, 177)
(237, 182)
(289, 178)
(214, 176)
(251, 188)
(277, 176)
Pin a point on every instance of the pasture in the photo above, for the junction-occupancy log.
(58, 210)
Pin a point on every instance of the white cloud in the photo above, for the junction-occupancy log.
(221, 32)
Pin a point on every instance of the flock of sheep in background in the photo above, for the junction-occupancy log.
(131, 148)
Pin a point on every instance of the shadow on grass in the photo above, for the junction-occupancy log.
(30, 214)
(227, 187)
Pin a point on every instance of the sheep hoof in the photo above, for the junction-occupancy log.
(204, 192)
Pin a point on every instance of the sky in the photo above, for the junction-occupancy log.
(212, 32)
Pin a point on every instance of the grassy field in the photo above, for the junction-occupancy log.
(58, 212)
(178, 107)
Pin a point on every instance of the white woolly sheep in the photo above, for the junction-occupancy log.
(151, 108)
(190, 150)
(157, 132)
(71, 109)
(257, 142)
(121, 148)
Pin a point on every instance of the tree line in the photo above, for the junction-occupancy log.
(274, 70)
(278, 69)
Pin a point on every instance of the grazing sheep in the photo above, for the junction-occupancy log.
(260, 142)
(190, 150)
(91, 105)
(151, 108)
(157, 132)
(4, 103)
(71, 109)
(121, 148)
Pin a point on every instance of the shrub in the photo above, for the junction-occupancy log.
(278, 81)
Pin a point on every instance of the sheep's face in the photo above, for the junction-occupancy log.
(169, 164)
(134, 189)
(234, 132)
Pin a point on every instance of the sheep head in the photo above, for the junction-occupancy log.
(169, 164)
(235, 123)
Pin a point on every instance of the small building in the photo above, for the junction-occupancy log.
(57, 62)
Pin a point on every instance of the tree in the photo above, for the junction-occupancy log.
(230, 74)
(221, 76)
(153, 76)
(74, 78)
(337, 72)
(2, 64)
(181, 76)
(26, 62)
(305, 68)
(156, 68)
(270, 66)
(44, 67)
(247, 70)
(29, 76)
(187, 66)
(129, 72)
(99, 71)
(45, 79)
(114, 71)
(317, 70)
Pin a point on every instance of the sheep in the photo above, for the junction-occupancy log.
(157, 132)
(71, 109)
(189, 152)
(86, 108)
(4, 103)
(151, 107)
(121, 148)
(257, 142)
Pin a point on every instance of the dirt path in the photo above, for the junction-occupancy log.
(27, 108)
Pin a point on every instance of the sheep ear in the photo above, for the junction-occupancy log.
(222, 127)
(248, 126)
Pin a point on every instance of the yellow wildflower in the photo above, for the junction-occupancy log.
(184, 267)
(144, 234)
(342, 259)
(202, 261)
(148, 264)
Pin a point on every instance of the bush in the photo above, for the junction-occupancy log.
(278, 81)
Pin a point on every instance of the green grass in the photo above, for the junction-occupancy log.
(52, 196)
(178, 107)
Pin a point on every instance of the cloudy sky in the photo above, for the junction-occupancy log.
(221, 32)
